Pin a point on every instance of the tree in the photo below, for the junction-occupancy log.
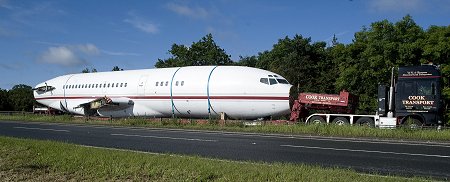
(86, 70)
(436, 49)
(203, 52)
(373, 53)
(116, 68)
(4, 100)
(21, 98)
(249, 61)
(299, 61)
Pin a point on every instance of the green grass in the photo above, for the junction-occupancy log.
(33, 160)
(294, 129)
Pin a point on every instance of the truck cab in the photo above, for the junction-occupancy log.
(418, 95)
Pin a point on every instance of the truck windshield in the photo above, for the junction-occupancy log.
(426, 88)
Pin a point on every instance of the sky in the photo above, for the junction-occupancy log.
(41, 39)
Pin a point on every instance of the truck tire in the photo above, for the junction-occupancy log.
(367, 122)
(412, 123)
(316, 120)
(340, 121)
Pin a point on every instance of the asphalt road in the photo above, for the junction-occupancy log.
(379, 156)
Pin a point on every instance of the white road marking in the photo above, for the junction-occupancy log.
(160, 137)
(365, 151)
(42, 129)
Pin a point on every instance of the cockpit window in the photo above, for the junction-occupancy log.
(282, 81)
(272, 81)
(264, 80)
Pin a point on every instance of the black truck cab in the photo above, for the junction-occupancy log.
(418, 95)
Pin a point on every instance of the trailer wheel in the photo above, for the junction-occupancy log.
(412, 123)
(316, 120)
(340, 121)
(367, 122)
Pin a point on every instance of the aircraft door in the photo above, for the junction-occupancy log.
(141, 85)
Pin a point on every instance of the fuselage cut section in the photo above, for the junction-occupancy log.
(192, 92)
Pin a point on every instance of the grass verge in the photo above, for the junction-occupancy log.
(294, 129)
(33, 160)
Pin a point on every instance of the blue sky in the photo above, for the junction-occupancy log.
(40, 40)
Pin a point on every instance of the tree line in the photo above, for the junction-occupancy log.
(19, 98)
(359, 66)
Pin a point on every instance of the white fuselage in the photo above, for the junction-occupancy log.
(193, 92)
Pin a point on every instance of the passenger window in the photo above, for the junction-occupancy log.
(167, 83)
(126, 84)
(176, 83)
(121, 84)
(96, 85)
(182, 83)
(272, 81)
(157, 83)
(264, 80)
(161, 84)
(108, 85)
(117, 84)
(112, 85)
(104, 85)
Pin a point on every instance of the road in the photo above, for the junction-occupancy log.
(379, 156)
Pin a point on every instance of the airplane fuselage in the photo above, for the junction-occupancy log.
(192, 92)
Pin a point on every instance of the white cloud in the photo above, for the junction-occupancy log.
(88, 49)
(72, 55)
(141, 24)
(396, 5)
(183, 10)
(61, 55)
